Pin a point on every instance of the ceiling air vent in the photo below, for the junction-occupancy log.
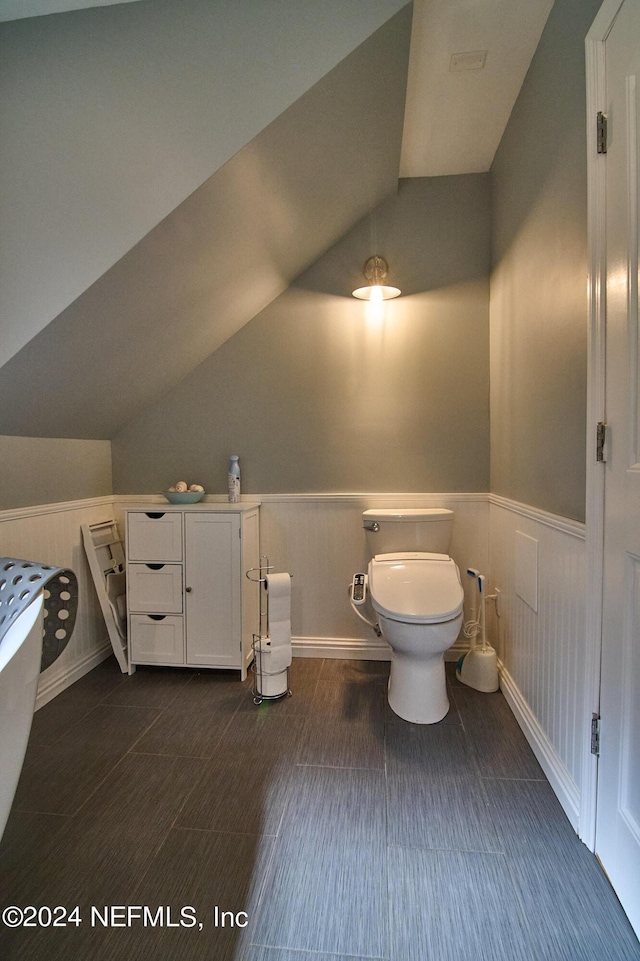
(471, 60)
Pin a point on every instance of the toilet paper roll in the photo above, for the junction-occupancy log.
(278, 587)
(272, 660)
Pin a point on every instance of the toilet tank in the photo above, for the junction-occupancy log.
(390, 531)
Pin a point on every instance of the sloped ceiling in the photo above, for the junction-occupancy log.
(455, 118)
(112, 116)
(221, 256)
(16, 9)
(232, 246)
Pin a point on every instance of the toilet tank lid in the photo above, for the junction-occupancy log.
(416, 586)
(409, 515)
(410, 556)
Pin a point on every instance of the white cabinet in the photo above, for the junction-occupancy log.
(189, 602)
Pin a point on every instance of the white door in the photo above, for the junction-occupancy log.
(213, 589)
(618, 803)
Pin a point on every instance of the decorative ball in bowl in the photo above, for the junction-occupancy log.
(183, 497)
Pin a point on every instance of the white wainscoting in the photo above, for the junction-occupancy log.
(50, 534)
(320, 540)
(542, 653)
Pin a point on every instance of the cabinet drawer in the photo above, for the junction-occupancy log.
(155, 588)
(157, 639)
(154, 536)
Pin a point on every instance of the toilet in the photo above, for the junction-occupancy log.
(416, 592)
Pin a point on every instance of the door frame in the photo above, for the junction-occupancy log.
(596, 396)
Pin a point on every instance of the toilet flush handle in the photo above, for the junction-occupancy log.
(371, 526)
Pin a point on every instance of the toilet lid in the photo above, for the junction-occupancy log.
(418, 587)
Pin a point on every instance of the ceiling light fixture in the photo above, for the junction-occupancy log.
(375, 270)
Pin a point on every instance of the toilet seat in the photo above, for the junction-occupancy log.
(415, 587)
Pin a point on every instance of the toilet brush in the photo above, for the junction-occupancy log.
(479, 667)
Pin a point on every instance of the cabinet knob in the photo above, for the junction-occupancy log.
(188, 590)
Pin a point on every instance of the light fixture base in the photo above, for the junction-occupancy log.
(376, 270)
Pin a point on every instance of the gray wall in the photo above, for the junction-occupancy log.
(46, 470)
(315, 395)
(111, 117)
(539, 277)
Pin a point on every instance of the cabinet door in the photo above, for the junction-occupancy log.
(213, 589)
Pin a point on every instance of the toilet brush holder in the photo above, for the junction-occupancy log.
(479, 669)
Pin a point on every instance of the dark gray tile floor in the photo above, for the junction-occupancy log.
(317, 828)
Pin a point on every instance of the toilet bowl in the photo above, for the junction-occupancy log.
(414, 588)
(418, 599)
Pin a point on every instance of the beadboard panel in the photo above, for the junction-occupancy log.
(320, 540)
(51, 534)
(543, 652)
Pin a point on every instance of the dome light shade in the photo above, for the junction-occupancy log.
(375, 270)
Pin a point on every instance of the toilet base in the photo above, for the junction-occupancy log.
(418, 689)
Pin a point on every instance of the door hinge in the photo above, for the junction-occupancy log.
(595, 734)
(601, 438)
(601, 126)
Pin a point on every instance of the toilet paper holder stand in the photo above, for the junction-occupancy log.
(267, 686)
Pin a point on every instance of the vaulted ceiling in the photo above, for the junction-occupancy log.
(234, 243)
(456, 110)
(221, 256)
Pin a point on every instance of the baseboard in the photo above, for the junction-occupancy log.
(565, 788)
(47, 690)
(341, 647)
(375, 649)
(455, 653)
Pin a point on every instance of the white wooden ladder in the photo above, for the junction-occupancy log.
(105, 554)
